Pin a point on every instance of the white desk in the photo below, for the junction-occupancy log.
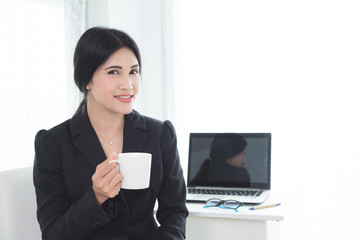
(225, 224)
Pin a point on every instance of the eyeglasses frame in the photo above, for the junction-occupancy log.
(221, 204)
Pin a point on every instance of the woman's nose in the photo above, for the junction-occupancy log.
(126, 83)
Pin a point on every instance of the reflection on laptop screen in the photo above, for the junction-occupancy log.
(229, 160)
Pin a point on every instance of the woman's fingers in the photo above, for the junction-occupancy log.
(106, 166)
(116, 182)
(106, 180)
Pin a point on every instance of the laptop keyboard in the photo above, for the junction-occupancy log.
(226, 192)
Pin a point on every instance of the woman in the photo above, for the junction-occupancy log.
(78, 188)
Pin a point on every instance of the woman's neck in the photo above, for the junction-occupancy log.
(105, 123)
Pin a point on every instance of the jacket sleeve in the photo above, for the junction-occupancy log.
(59, 218)
(172, 211)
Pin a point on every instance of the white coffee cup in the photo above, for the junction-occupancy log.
(135, 167)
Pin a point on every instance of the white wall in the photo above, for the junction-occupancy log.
(291, 68)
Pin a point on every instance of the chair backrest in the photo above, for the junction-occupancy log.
(18, 205)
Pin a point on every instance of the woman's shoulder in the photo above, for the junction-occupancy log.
(163, 130)
(58, 130)
(147, 122)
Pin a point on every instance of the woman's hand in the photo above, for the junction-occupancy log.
(106, 180)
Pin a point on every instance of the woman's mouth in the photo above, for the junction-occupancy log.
(126, 98)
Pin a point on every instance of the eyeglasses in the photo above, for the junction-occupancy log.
(226, 204)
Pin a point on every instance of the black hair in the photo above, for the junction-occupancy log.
(94, 47)
(227, 145)
(224, 146)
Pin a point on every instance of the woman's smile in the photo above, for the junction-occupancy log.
(126, 98)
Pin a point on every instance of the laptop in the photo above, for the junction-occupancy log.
(229, 166)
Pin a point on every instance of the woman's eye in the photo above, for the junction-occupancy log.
(133, 71)
(113, 72)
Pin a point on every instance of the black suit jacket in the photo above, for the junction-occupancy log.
(65, 160)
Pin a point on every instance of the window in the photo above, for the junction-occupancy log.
(34, 82)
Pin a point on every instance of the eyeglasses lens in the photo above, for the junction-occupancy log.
(213, 202)
(232, 204)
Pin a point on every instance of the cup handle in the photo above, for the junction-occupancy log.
(117, 165)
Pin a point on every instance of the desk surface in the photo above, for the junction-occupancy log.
(273, 213)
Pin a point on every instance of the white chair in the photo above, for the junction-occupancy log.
(18, 205)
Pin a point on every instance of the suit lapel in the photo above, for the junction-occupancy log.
(135, 133)
(85, 139)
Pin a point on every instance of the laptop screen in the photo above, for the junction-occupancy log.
(229, 160)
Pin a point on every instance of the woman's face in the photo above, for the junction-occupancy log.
(115, 83)
(238, 160)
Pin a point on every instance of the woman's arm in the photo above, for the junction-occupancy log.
(58, 217)
(172, 211)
